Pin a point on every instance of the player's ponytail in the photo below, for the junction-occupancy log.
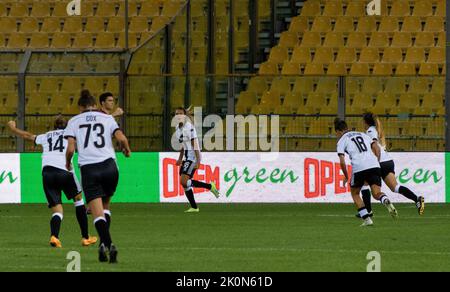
(372, 120)
(86, 99)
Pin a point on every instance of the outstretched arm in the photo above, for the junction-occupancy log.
(117, 113)
(20, 133)
(119, 135)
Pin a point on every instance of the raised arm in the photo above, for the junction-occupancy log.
(20, 133)
(119, 135)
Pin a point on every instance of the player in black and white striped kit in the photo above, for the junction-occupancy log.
(92, 132)
(190, 151)
(57, 179)
(374, 130)
(364, 154)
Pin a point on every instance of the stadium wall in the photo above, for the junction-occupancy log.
(242, 177)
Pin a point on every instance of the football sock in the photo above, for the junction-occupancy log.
(102, 229)
(107, 217)
(190, 196)
(383, 199)
(407, 193)
(199, 184)
(363, 213)
(82, 218)
(55, 224)
(367, 196)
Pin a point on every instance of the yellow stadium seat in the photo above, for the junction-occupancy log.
(346, 55)
(323, 55)
(311, 39)
(395, 85)
(73, 24)
(116, 24)
(39, 41)
(139, 24)
(19, 9)
(299, 24)
(83, 40)
(344, 24)
(29, 25)
(436, 55)
(257, 85)
(171, 8)
(288, 40)
(268, 69)
(415, 55)
(278, 55)
(353, 86)
(326, 86)
(149, 9)
(405, 69)
(407, 103)
(424, 39)
(392, 55)
(423, 8)
(419, 86)
(438, 86)
(314, 69)
(333, 8)
(60, 9)
(388, 24)
(372, 86)
(335, 69)
(429, 69)
(356, 40)
(105, 41)
(95, 25)
(2, 41)
(303, 86)
(434, 24)
(159, 22)
(311, 8)
(441, 8)
(2, 9)
(362, 101)
(369, 55)
(412, 24)
(17, 40)
(359, 69)
(61, 40)
(334, 40)
(8, 25)
(356, 9)
(321, 24)
(281, 86)
(106, 9)
(384, 103)
(433, 101)
(441, 39)
(401, 40)
(293, 100)
(366, 24)
(51, 24)
(400, 8)
(290, 68)
(301, 55)
(379, 40)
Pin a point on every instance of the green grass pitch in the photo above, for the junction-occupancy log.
(234, 237)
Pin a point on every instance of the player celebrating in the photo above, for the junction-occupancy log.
(107, 104)
(57, 179)
(92, 131)
(190, 150)
(374, 130)
(363, 153)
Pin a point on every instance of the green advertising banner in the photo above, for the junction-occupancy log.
(138, 182)
(447, 177)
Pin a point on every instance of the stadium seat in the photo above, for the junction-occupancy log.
(327, 86)
(116, 24)
(278, 55)
(323, 55)
(434, 24)
(288, 40)
(293, 101)
(366, 24)
(333, 8)
(73, 25)
(428, 69)
(415, 55)
(400, 8)
(290, 68)
(402, 40)
(268, 68)
(334, 40)
(311, 39)
(39, 41)
(372, 86)
(424, 40)
(346, 55)
(379, 40)
(344, 24)
(106, 9)
(19, 9)
(314, 69)
(359, 69)
(388, 24)
(369, 55)
(395, 86)
(299, 24)
(245, 101)
(336, 69)
(441, 8)
(105, 41)
(392, 55)
(257, 85)
(438, 86)
(436, 55)
(303, 86)
(17, 40)
(311, 8)
(419, 86)
(405, 69)
(29, 25)
(321, 24)
(281, 85)
(8, 25)
(356, 40)
(355, 9)
(423, 8)
(412, 24)
(83, 41)
(149, 9)
(441, 40)
(95, 25)
(139, 24)
(61, 40)
(159, 23)
(51, 25)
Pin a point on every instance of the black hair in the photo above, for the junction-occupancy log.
(86, 99)
(60, 123)
(340, 125)
(370, 119)
(104, 96)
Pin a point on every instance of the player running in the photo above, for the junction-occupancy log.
(374, 130)
(92, 132)
(363, 153)
(57, 179)
(190, 151)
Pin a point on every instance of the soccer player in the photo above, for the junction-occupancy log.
(107, 104)
(374, 130)
(92, 132)
(190, 151)
(364, 154)
(57, 179)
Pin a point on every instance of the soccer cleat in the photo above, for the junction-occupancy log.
(391, 208)
(55, 242)
(102, 256)
(367, 222)
(359, 216)
(192, 210)
(90, 241)
(421, 205)
(214, 190)
(113, 254)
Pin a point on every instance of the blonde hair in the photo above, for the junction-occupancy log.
(373, 121)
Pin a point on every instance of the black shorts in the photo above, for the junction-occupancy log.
(370, 176)
(55, 181)
(187, 168)
(387, 167)
(99, 180)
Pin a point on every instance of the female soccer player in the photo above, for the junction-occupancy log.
(374, 130)
(190, 151)
(57, 179)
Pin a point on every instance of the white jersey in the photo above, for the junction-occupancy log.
(373, 133)
(54, 149)
(185, 135)
(358, 146)
(93, 131)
